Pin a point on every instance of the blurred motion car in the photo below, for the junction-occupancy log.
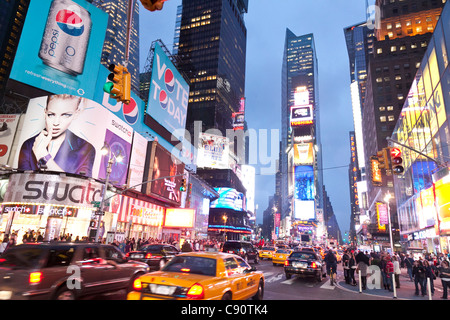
(201, 276)
(244, 249)
(305, 263)
(280, 256)
(155, 255)
(65, 271)
(266, 252)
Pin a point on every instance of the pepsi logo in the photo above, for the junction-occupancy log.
(163, 99)
(70, 22)
(169, 79)
(130, 112)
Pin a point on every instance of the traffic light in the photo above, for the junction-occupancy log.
(396, 161)
(383, 160)
(119, 86)
(153, 5)
(289, 138)
(183, 185)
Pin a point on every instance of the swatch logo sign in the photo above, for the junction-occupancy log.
(70, 22)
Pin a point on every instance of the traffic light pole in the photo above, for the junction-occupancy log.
(439, 164)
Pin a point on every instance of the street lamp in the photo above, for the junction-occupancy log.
(106, 150)
(387, 197)
(224, 218)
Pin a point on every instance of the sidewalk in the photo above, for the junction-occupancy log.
(405, 292)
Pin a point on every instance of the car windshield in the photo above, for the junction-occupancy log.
(231, 245)
(21, 258)
(153, 248)
(268, 248)
(282, 251)
(303, 255)
(190, 264)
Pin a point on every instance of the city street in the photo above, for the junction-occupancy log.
(302, 288)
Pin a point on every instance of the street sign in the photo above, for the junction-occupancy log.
(96, 204)
(395, 152)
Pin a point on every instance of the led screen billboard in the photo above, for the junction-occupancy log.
(304, 192)
(168, 94)
(229, 198)
(301, 115)
(60, 47)
(66, 134)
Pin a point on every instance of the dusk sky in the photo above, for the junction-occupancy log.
(266, 23)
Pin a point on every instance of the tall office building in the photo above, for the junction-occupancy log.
(405, 29)
(210, 42)
(114, 48)
(301, 156)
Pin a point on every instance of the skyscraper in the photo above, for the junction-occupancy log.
(210, 41)
(301, 156)
(114, 48)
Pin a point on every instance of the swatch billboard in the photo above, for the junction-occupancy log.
(60, 47)
(65, 133)
(169, 93)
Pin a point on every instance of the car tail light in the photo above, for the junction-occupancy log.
(148, 256)
(137, 284)
(196, 292)
(313, 265)
(286, 262)
(127, 255)
(35, 277)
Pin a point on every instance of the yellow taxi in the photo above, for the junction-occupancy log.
(266, 252)
(201, 276)
(280, 256)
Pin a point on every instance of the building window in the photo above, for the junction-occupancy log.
(383, 119)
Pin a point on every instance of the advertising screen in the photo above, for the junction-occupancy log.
(168, 94)
(301, 115)
(229, 198)
(8, 127)
(213, 151)
(66, 133)
(167, 173)
(179, 218)
(60, 47)
(304, 195)
(303, 153)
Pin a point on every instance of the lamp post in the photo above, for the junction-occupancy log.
(112, 158)
(387, 197)
(225, 218)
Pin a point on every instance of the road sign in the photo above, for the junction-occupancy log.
(96, 204)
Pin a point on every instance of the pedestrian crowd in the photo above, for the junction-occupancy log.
(422, 271)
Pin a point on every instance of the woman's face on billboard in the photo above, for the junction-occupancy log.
(59, 115)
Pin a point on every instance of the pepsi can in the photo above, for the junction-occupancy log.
(66, 37)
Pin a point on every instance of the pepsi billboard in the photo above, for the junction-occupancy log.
(169, 93)
(60, 47)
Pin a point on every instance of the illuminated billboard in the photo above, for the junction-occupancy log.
(66, 133)
(213, 151)
(302, 115)
(303, 153)
(229, 198)
(179, 218)
(382, 216)
(166, 173)
(168, 94)
(304, 193)
(60, 47)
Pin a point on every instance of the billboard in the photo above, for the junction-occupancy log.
(169, 93)
(304, 192)
(8, 127)
(66, 133)
(60, 47)
(301, 115)
(303, 153)
(213, 151)
(229, 198)
(167, 172)
(137, 161)
(179, 218)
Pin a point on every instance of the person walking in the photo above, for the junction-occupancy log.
(389, 271)
(409, 262)
(418, 272)
(345, 261)
(363, 263)
(397, 271)
(444, 274)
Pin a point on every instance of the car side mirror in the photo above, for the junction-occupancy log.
(252, 269)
